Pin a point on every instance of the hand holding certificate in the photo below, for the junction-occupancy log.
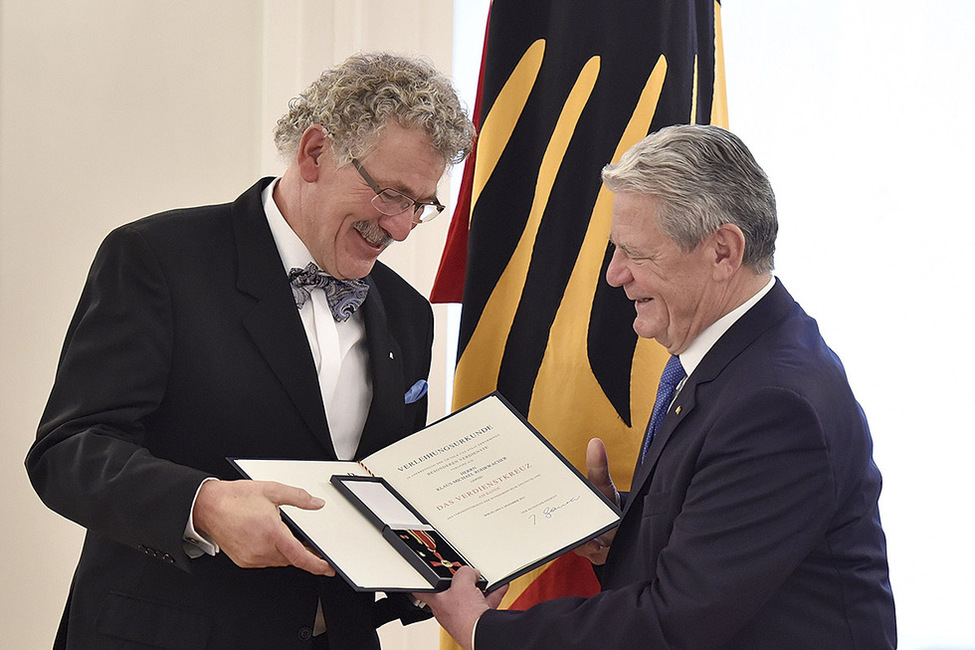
(479, 487)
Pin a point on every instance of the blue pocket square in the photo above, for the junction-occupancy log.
(416, 391)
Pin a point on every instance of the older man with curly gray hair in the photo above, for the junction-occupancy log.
(355, 100)
(396, 117)
(261, 328)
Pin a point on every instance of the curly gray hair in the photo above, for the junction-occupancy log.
(704, 177)
(354, 100)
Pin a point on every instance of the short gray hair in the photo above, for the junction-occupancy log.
(704, 177)
(354, 100)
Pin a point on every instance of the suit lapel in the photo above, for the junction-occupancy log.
(270, 318)
(388, 408)
(681, 408)
(772, 308)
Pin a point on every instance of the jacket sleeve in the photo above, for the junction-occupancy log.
(90, 461)
(758, 501)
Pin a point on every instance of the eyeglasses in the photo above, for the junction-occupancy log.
(393, 202)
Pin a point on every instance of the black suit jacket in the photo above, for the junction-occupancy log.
(753, 521)
(186, 348)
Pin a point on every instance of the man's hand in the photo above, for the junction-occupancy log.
(597, 467)
(242, 517)
(458, 608)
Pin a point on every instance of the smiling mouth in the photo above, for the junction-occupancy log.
(374, 234)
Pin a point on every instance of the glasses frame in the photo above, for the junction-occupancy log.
(417, 206)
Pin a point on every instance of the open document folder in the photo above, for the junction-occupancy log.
(479, 487)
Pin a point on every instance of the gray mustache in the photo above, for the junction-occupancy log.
(373, 233)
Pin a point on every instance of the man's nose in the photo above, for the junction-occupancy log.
(617, 273)
(399, 225)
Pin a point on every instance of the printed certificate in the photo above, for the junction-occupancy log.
(479, 487)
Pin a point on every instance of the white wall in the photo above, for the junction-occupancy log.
(860, 113)
(111, 110)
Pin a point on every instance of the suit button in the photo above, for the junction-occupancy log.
(304, 633)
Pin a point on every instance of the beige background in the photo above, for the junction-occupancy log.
(114, 109)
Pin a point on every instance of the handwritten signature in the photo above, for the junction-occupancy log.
(552, 510)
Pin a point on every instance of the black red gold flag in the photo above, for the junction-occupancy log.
(566, 87)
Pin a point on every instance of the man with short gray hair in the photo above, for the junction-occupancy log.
(752, 519)
(202, 334)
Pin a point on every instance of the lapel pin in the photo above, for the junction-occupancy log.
(391, 354)
(677, 410)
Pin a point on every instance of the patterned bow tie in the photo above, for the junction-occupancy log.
(344, 296)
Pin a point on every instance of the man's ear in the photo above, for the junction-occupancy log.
(313, 147)
(728, 245)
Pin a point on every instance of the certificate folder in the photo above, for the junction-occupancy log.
(481, 484)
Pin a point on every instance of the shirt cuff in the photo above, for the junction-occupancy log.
(197, 544)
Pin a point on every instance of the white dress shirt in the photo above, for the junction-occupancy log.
(340, 354)
(339, 349)
(700, 346)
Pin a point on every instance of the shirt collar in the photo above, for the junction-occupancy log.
(700, 346)
(293, 252)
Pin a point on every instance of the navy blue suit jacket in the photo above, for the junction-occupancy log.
(753, 521)
(186, 348)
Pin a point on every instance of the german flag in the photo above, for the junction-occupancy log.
(567, 86)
